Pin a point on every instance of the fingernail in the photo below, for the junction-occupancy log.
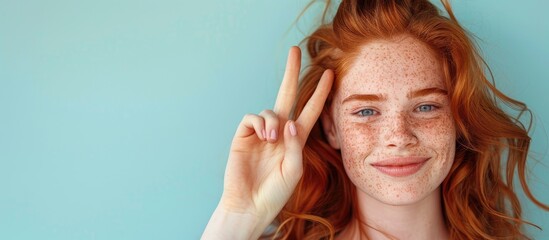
(293, 130)
(273, 134)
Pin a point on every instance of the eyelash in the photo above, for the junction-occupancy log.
(373, 112)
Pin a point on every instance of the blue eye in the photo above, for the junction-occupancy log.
(366, 112)
(426, 108)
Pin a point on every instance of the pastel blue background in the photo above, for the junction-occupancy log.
(116, 116)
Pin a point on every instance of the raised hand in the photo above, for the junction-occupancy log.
(265, 160)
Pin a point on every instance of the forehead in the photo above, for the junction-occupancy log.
(396, 63)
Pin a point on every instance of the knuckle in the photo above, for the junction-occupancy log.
(250, 117)
(267, 112)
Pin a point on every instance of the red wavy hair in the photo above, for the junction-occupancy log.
(478, 195)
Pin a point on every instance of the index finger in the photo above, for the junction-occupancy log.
(314, 106)
(288, 88)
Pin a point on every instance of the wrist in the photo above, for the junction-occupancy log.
(226, 224)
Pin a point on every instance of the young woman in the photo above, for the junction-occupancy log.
(393, 133)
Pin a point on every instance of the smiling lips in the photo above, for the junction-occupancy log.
(400, 167)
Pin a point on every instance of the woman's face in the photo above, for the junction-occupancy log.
(390, 117)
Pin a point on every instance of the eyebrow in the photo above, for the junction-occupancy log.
(427, 91)
(364, 97)
(378, 98)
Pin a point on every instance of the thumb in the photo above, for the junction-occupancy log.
(292, 166)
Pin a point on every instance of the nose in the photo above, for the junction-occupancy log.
(398, 132)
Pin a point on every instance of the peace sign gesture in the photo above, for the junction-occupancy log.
(265, 160)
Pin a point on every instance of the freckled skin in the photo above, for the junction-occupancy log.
(394, 69)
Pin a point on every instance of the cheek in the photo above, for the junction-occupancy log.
(439, 133)
(439, 136)
(357, 141)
